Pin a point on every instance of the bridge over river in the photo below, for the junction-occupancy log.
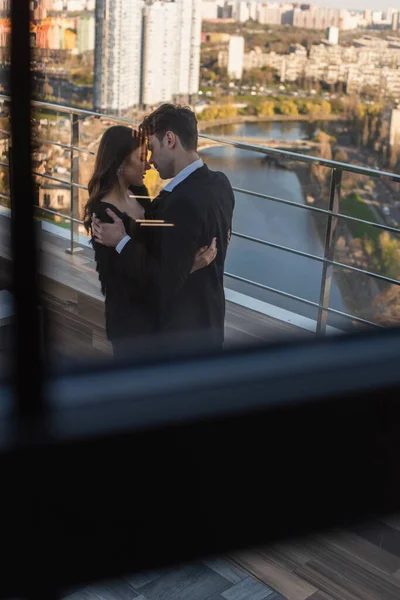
(295, 145)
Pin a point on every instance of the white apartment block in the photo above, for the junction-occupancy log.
(241, 11)
(117, 55)
(394, 133)
(160, 30)
(368, 62)
(75, 5)
(332, 35)
(195, 44)
(183, 49)
(209, 9)
(86, 34)
(171, 51)
(235, 57)
(349, 21)
(253, 10)
(316, 17)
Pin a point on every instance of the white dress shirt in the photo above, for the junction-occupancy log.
(182, 175)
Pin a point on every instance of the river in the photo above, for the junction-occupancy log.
(289, 226)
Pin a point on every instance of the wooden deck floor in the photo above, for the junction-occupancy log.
(343, 565)
(75, 274)
(363, 564)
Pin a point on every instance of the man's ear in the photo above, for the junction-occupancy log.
(171, 139)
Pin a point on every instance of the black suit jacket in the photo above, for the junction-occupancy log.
(200, 207)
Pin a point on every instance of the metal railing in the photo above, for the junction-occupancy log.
(332, 213)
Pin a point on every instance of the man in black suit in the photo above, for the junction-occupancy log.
(199, 204)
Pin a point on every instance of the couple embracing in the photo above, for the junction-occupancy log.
(160, 262)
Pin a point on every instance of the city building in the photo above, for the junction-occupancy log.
(332, 35)
(367, 16)
(183, 49)
(349, 20)
(56, 196)
(76, 5)
(118, 54)
(377, 17)
(86, 34)
(394, 131)
(241, 12)
(273, 13)
(209, 9)
(160, 48)
(253, 10)
(171, 51)
(270, 14)
(235, 57)
(195, 47)
(58, 5)
(368, 62)
(310, 16)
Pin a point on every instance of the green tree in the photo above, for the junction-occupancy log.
(208, 114)
(325, 108)
(337, 106)
(319, 172)
(389, 255)
(341, 156)
(286, 107)
(266, 108)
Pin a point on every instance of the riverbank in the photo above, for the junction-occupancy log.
(204, 125)
(358, 291)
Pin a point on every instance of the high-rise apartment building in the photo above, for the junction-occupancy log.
(75, 5)
(316, 17)
(86, 34)
(195, 43)
(160, 30)
(209, 9)
(235, 57)
(241, 11)
(172, 39)
(118, 50)
(146, 52)
(394, 127)
(183, 48)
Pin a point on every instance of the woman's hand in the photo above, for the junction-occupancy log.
(205, 256)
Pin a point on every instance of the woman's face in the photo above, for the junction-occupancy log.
(135, 166)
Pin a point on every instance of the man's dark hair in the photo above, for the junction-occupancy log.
(181, 120)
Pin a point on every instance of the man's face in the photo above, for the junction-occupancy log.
(161, 156)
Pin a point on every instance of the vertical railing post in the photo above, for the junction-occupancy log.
(327, 267)
(74, 207)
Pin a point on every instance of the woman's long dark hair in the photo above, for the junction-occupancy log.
(117, 143)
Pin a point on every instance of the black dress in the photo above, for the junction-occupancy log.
(129, 317)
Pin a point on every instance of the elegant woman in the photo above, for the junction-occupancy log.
(117, 183)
